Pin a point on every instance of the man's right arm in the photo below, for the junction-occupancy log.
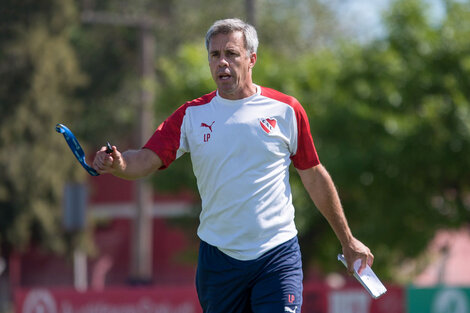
(131, 164)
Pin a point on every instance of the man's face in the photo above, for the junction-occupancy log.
(231, 66)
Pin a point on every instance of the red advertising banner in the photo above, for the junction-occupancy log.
(317, 298)
(113, 300)
(358, 300)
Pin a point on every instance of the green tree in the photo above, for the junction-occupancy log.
(39, 72)
(395, 130)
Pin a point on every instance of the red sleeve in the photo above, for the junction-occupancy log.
(306, 155)
(165, 142)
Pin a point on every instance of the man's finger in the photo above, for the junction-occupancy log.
(363, 265)
(370, 259)
(114, 152)
(350, 267)
(367, 260)
(101, 160)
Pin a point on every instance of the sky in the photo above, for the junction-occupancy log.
(365, 15)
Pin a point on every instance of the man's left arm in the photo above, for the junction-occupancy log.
(323, 193)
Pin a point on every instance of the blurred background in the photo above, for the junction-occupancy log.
(386, 86)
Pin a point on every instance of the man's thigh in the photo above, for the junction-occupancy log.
(278, 288)
(222, 284)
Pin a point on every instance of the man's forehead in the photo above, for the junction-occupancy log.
(230, 39)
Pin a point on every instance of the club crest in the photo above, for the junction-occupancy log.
(268, 124)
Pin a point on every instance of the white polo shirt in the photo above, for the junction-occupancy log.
(241, 151)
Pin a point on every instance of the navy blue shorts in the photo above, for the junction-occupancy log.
(270, 284)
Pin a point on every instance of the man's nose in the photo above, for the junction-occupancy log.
(223, 61)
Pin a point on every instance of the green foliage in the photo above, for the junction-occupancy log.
(39, 71)
(394, 132)
(293, 27)
(109, 56)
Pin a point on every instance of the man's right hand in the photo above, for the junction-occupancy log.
(111, 163)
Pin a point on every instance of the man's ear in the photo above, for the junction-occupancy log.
(253, 58)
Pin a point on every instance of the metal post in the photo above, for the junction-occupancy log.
(250, 7)
(80, 271)
(141, 262)
(141, 259)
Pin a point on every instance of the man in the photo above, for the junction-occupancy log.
(242, 138)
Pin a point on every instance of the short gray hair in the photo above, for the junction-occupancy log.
(231, 25)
